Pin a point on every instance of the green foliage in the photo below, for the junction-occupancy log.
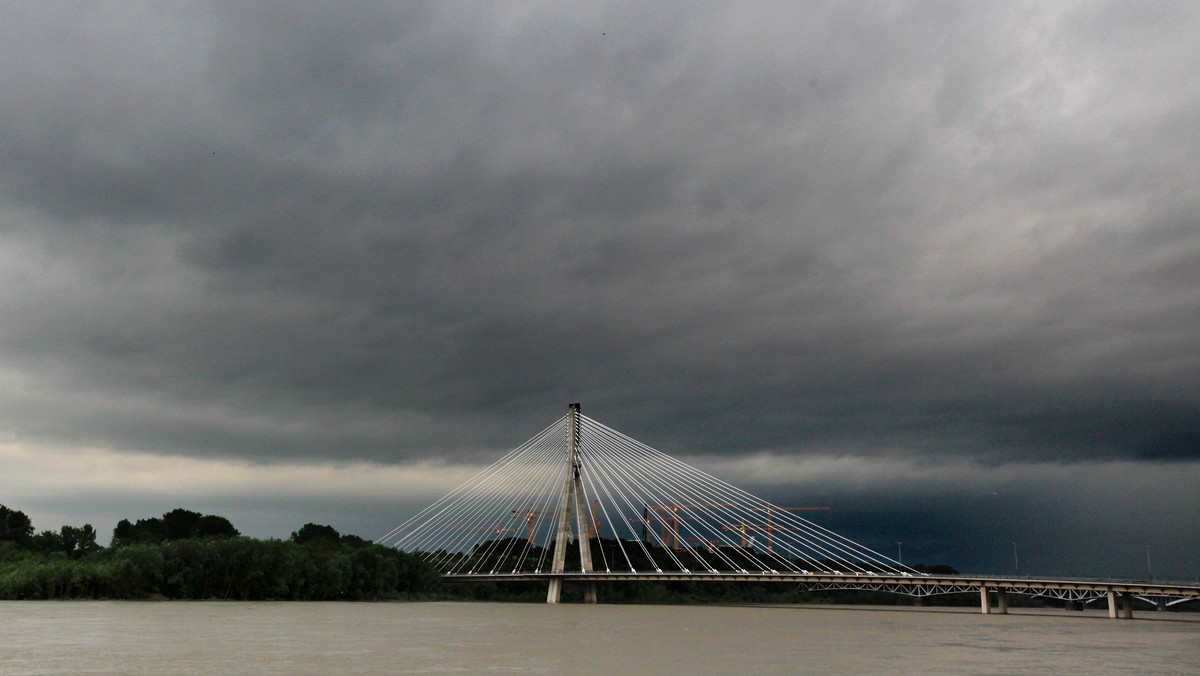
(186, 555)
(222, 568)
(322, 536)
(15, 527)
(74, 542)
(177, 524)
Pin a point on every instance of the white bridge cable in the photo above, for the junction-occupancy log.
(475, 511)
(535, 490)
(612, 520)
(667, 494)
(646, 493)
(429, 533)
(400, 534)
(541, 492)
(831, 544)
(819, 540)
(500, 507)
(721, 515)
(593, 525)
(806, 547)
(621, 484)
(540, 503)
(525, 478)
(649, 495)
(504, 519)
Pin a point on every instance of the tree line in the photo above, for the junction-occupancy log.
(188, 555)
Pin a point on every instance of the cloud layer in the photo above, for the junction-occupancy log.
(396, 233)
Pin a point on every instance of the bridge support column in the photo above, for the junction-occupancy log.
(1112, 605)
(985, 605)
(573, 500)
(1002, 601)
(1127, 605)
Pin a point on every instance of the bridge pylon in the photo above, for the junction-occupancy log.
(573, 501)
(578, 480)
(463, 534)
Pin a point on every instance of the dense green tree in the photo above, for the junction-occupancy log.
(142, 532)
(124, 534)
(70, 540)
(79, 542)
(210, 526)
(177, 524)
(15, 526)
(311, 533)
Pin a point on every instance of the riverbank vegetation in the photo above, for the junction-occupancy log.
(188, 555)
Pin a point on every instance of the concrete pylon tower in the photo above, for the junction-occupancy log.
(573, 500)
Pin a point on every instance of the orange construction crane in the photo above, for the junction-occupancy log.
(769, 527)
(594, 524)
(530, 515)
(670, 529)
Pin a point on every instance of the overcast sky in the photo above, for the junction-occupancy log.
(935, 265)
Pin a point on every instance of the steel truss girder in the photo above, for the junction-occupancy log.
(923, 590)
(1067, 590)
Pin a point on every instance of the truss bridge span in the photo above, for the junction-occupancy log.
(993, 591)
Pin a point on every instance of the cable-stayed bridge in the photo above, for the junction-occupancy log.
(582, 503)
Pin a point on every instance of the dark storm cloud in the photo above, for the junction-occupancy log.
(386, 230)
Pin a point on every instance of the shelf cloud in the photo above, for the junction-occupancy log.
(900, 235)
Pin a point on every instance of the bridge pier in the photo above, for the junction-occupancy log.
(1112, 605)
(985, 602)
(1127, 605)
(554, 591)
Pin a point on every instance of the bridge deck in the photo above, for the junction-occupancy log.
(946, 583)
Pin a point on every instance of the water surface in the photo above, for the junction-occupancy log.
(99, 637)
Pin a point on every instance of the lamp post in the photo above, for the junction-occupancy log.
(900, 552)
(1148, 568)
(1016, 561)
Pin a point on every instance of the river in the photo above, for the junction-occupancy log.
(161, 638)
